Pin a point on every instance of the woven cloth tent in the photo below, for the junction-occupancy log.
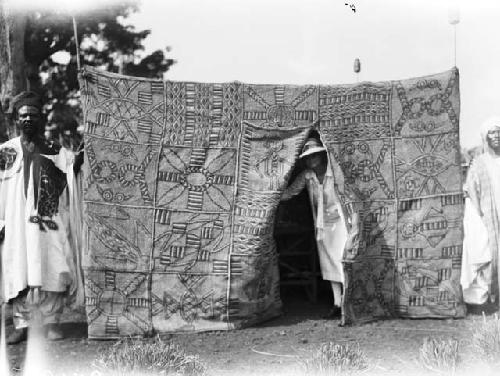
(182, 182)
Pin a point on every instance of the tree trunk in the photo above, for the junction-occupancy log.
(12, 64)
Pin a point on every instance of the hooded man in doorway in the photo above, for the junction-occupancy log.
(332, 235)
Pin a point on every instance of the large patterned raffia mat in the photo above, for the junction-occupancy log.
(182, 181)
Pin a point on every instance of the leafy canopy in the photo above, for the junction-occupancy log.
(105, 40)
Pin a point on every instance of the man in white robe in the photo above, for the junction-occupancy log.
(332, 235)
(480, 272)
(38, 265)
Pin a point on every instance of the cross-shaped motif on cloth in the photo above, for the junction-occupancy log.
(202, 179)
(115, 302)
(280, 114)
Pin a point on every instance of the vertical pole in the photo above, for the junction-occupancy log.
(77, 44)
(454, 19)
(455, 44)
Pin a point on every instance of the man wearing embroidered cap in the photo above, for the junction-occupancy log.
(332, 236)
(38, 264)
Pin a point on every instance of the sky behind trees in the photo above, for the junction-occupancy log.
(316, 41)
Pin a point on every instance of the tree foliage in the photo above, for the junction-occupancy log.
(12, 61)
(105, 41)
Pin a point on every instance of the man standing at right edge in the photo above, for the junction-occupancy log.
(479, 278)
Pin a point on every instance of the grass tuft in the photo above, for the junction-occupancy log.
(439, 355)
(486, 339)
(335, 359)
(137, 357)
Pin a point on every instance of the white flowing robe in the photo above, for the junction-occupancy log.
(330, 224)
(36, 250)
(475, 275)
(480, 272)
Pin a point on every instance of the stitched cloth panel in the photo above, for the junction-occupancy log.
(182, 182)
(396, 158)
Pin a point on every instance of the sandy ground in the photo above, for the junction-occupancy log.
(273, 348)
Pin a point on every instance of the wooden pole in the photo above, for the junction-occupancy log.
(454, 19)
(77, 44)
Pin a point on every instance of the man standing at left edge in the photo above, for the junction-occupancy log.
(38, 264)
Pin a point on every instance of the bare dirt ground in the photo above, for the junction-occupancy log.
(273, 348)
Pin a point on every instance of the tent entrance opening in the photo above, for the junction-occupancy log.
(302, 287)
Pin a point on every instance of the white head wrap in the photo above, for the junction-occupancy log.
(488, 125)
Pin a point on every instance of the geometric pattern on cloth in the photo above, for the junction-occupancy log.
(395, 153)
(429, 256)
(426, 166)
(182, 182)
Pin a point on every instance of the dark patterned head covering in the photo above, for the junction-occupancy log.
(25, 98)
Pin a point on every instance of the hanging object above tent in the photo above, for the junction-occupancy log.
(357, 66)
